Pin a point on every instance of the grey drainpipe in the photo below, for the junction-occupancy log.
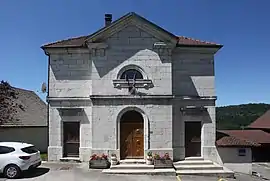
(49, 62)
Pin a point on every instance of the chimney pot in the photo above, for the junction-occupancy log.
(108, 19)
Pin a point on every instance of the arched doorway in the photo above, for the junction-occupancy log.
(131, 135)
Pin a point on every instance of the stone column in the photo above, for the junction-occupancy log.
(55, 149)
(208, 135)
(86, 134)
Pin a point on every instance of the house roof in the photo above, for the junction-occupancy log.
(231, 141)
(32, 112)
(262, 122)
(256, 136)
(81, 40)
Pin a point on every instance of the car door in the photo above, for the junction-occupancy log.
(4, 156)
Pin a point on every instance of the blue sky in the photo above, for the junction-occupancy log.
(242, 66)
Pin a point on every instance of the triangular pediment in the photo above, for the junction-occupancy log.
(133, 19)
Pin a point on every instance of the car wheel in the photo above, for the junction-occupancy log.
(12, 171)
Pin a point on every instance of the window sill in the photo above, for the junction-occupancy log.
(144, 83)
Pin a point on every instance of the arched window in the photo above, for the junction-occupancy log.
(131, 74)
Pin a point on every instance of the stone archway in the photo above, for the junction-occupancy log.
(131, 135)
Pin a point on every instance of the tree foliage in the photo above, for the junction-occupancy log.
(239, 116)
(7, 104)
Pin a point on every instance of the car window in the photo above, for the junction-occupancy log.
(30, 149)
(5, 149)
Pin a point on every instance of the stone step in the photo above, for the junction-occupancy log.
(193, 162)
(170, 171)
(218, 173)
(194, 158)
(132, 166)
(70, 159)
(133, 161)
(198, 167)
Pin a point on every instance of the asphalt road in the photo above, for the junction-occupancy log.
(75, 172)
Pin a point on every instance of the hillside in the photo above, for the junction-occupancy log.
(239, 116)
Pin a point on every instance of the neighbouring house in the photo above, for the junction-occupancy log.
(257, 132)
(235, 153)
(129, 88)
(29, 123)
(262, 123)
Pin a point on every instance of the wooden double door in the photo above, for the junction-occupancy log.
(131, 140)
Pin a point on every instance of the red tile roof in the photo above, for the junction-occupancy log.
(257, 136)
(262, 122)
(231, 141)
(80, 42)
(182, 40)
(71, 42)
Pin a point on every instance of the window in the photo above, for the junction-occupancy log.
(30, 149)
(242, 152)
(131, 74)
(5, 149)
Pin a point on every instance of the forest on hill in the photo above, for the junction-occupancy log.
(239, 116)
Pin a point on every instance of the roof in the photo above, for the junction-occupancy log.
(15, 144)
(256, 136)
(32, 112)
(81, 40)
(231, 141)
(262, 122)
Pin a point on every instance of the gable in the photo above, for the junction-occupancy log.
(137, 22)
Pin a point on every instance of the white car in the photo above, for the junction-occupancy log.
(16, 157)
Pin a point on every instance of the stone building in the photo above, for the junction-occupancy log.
(129, 88)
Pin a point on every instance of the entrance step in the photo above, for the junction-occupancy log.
(193, 162)
(194, 158)
(199, 166)
(133, 161)
(70, 159)
(169, 172)
(137, 167)
(132, 166)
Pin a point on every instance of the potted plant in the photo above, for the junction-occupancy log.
(114, 160)
(163, 162)
(97, 161)
(149, 158)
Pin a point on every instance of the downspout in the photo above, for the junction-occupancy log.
(48, 107)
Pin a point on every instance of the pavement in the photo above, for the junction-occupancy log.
(75, 172)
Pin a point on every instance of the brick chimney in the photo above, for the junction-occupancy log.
(108, 19)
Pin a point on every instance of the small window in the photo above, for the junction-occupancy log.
(30, 149)
(242, 152)
(131, 74)
(5, 149)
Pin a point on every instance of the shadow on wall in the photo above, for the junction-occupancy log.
(121, 56)
(71, 67)
(74, 114)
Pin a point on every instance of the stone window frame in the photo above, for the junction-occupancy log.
(140, 83)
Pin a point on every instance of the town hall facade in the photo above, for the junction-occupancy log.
(129, 88)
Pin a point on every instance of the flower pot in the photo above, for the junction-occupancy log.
(114, 160)
(99, 164)
(149, 162)
(162, 163)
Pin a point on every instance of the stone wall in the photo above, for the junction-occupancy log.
(70, 75)
(193, 73)
(157, 124)
(131, 46)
